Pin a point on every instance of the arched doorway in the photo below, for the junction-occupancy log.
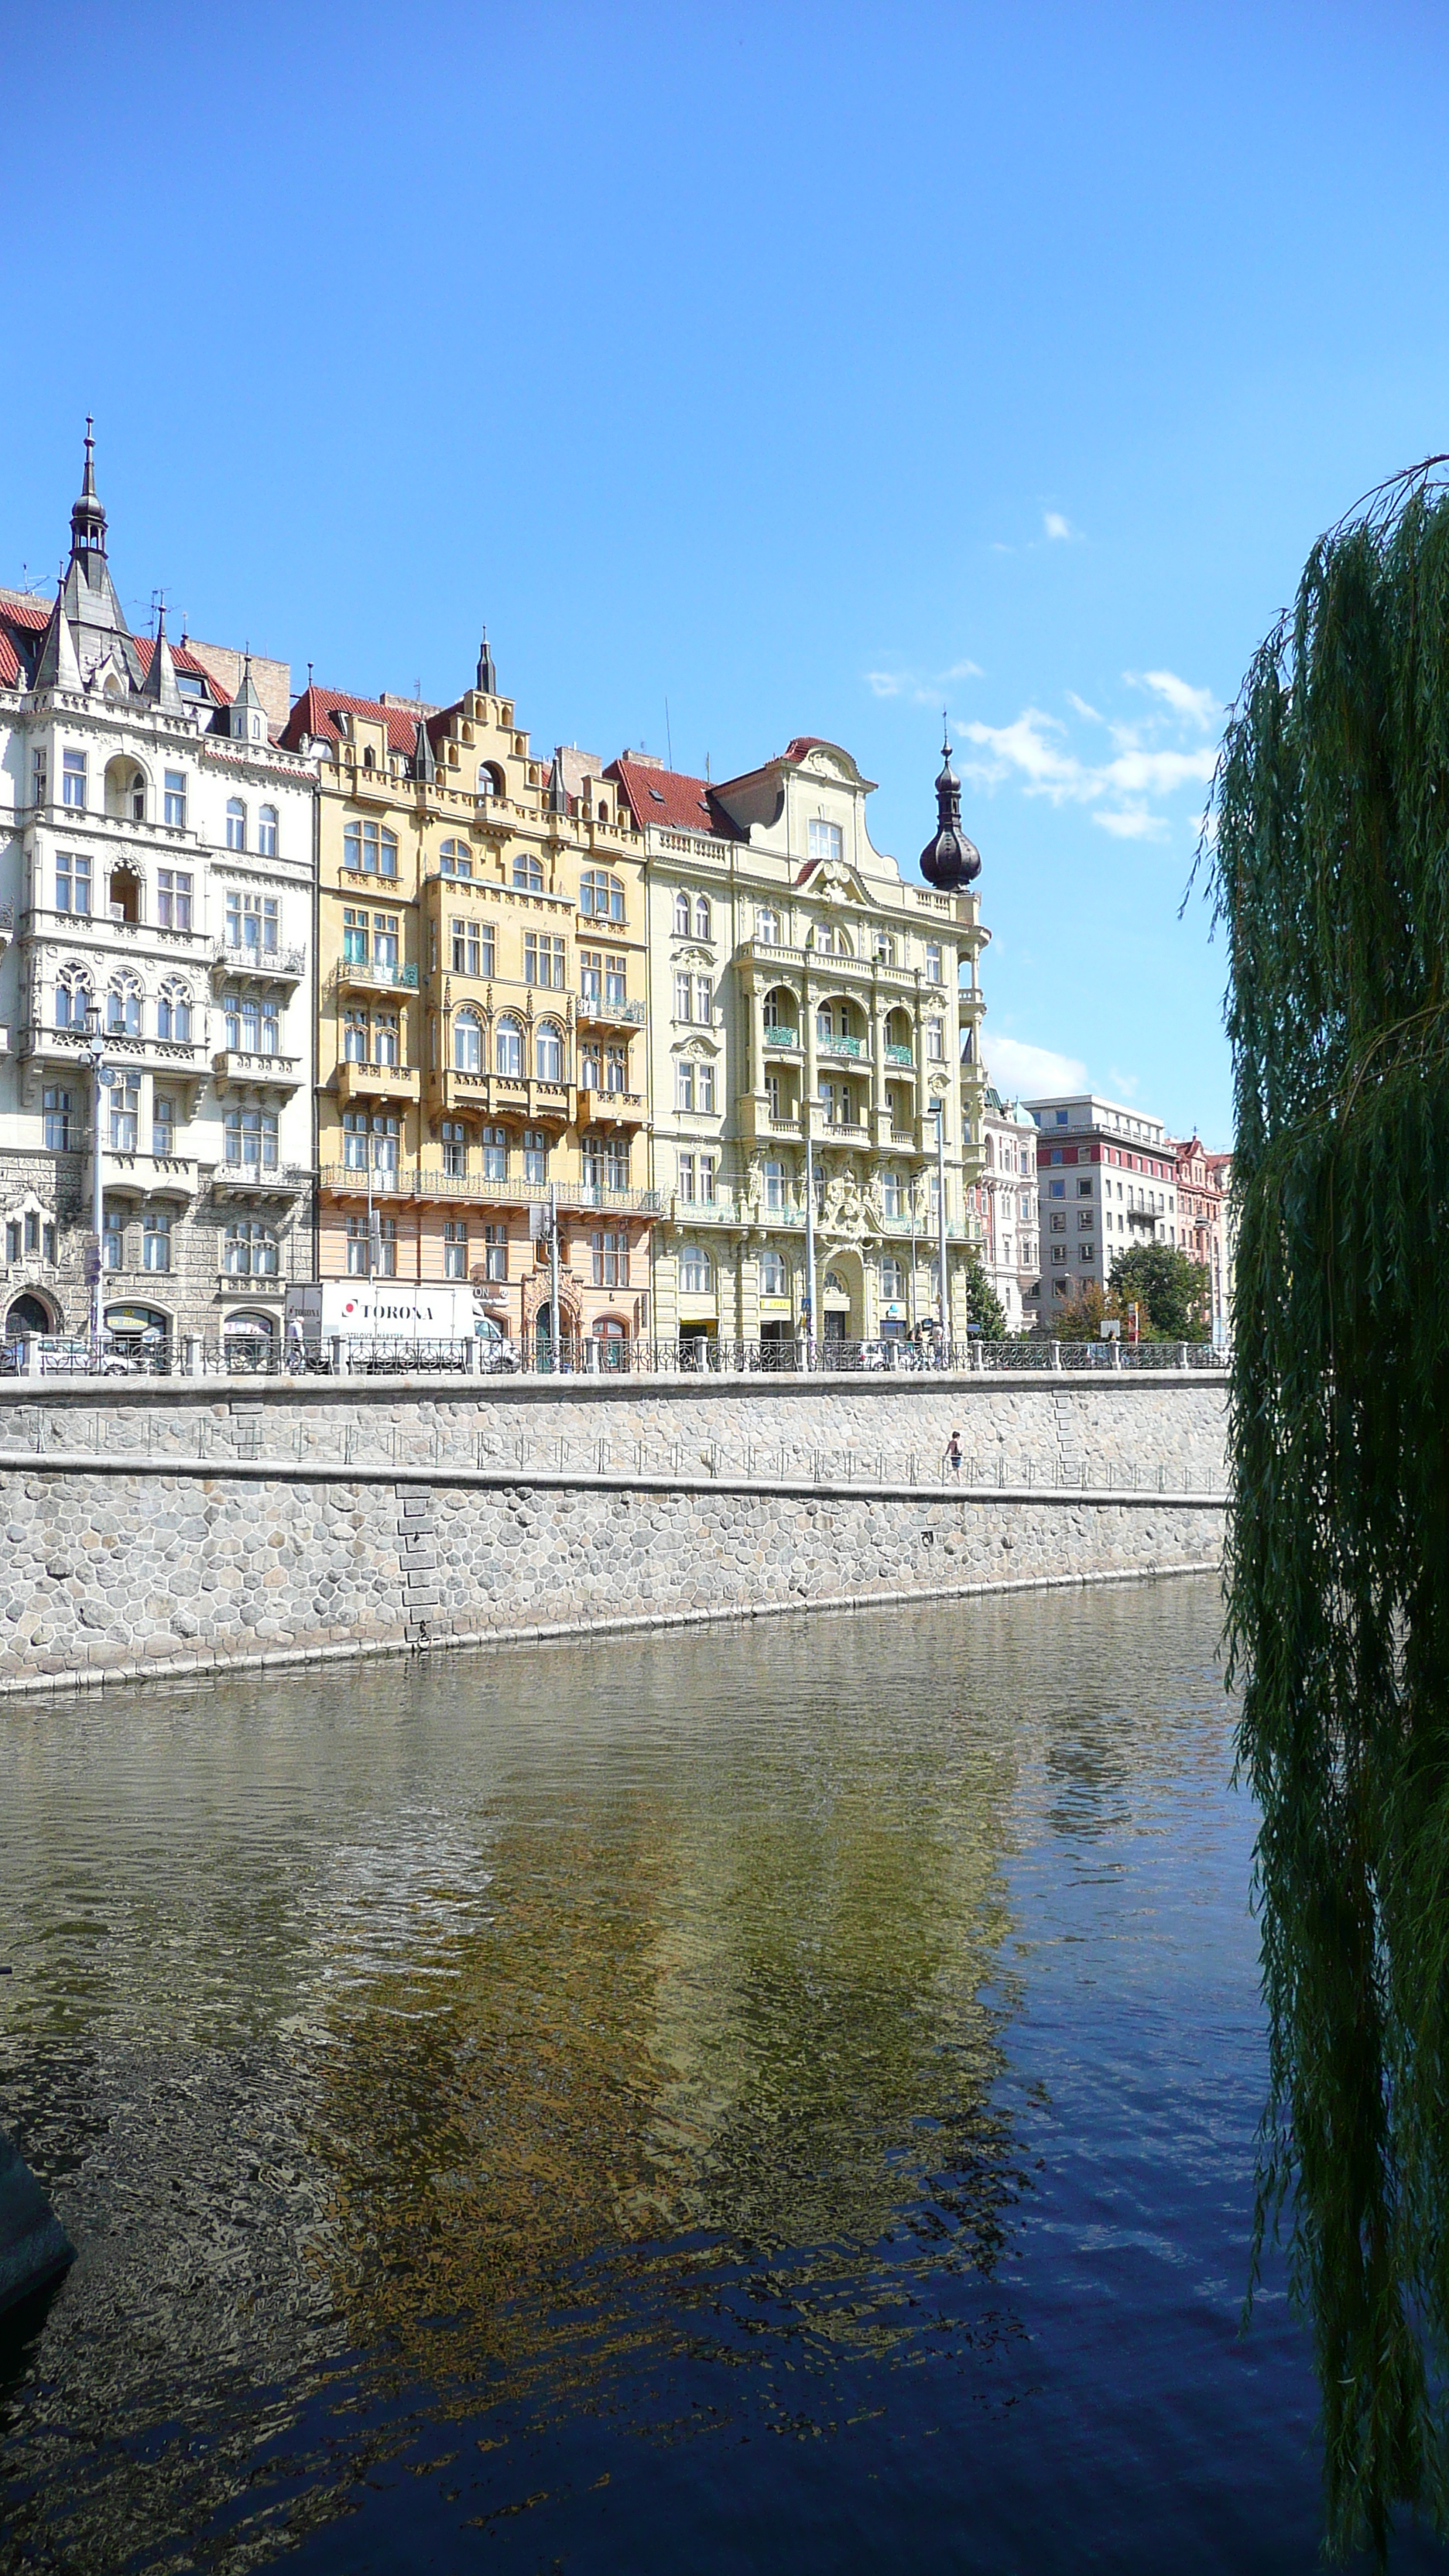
(248, 1342)
(28, 1317)
(139, 1333)
(611, 1342)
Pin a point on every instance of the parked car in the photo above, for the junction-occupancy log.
(62, 1355)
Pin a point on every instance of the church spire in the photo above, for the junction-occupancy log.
(949, 861)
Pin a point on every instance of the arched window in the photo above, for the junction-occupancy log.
(508, 1048)
(696, 1276)
(173, 1012)
(549, 1052)
(267, 831)
(702, 929)
(123, 1007)
(491, 781)
(681, 916)
(455, 859)
(602, 896)
(767, 925)
(467, 1043)
(528, 875)
(236, 823)
(369, 757)
(72, 997)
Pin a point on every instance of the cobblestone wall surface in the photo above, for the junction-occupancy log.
(1057, 1429)
(140, 1569)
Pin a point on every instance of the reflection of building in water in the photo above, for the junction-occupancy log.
(739, 2010)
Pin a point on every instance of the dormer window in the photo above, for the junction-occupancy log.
(191, 684)
(826, 840)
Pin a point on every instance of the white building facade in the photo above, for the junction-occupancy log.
(1007, 1194)
(156, 876)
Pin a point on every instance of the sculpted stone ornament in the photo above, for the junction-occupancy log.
(834, 1203)
(754, 1186)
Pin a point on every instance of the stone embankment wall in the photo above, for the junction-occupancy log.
(163, 1526)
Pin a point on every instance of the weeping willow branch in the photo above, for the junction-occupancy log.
(1330, 870)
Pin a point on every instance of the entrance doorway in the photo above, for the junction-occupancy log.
(28, 1318)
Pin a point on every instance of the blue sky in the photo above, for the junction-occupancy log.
(805, 368)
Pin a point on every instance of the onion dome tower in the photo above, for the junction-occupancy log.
(949, 861)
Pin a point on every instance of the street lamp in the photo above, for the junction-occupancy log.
(95, 1048)
(938, 1112)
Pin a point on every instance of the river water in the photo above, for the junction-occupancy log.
(773, 2099)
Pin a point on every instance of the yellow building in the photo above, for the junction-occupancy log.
(481, 999)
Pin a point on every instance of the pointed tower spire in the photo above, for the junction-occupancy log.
(558, 794)
(59, 665)
(424, 765)
(487, 680)
(159, 685)
(949, 861)
(88, 519)
(246, 717)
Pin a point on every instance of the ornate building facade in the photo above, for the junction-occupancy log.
(1010, 1253)
(481, 999)
(155, 881)
(805, 1004)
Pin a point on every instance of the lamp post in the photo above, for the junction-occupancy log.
(96, 1052)
(938, 1112)
(808, 1317)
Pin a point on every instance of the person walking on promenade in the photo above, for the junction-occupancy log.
(953, 1455)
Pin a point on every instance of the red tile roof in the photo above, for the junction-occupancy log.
(313, 711)
(32, 616)
(671, 798)
(804, 742)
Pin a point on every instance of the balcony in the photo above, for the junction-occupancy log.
(83, 929)
(145, 1176)
(594, 1012)
(376, 1082)
(342, 1181)
(354, 975)
(260, 1181)
(900, 1055)
(257, 1072)
(611, 1108)
(67, 1046)
(783, 1041)
(500, 1095)
(842, 1046)
(260, 965)
(815, 961)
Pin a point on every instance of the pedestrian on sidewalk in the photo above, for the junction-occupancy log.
(953, 1455)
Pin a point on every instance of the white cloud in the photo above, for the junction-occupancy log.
(1142, 771)
(1199, 706)
(1132, 823)
(1058, 529)
(923, 692)
(1024, 1072)
(1125, 1085)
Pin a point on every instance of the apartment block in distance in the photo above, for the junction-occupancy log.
(1106, 1179)
(156, 881)
(481, 999)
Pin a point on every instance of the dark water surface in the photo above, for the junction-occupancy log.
(776, 2099)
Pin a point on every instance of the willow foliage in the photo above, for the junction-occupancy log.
(1331, 871)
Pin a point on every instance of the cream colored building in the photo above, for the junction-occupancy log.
(800, 989)
(1006, 1193)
